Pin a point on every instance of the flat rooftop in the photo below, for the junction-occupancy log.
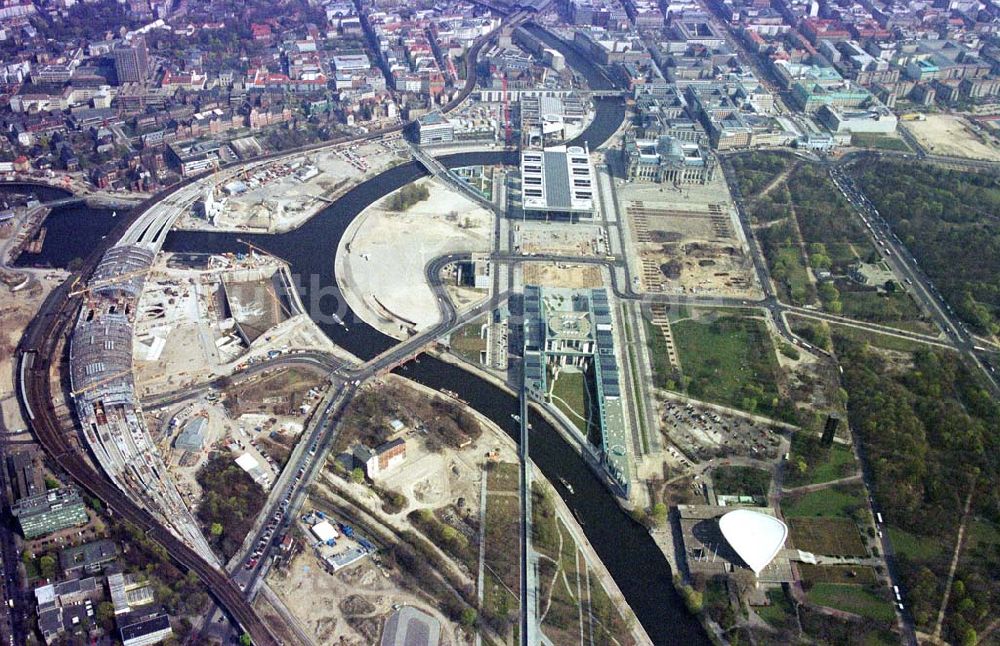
(557, 179)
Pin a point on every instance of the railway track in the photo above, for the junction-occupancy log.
(52, 326)
(58, 442)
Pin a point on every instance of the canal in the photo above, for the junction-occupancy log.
(626, 548)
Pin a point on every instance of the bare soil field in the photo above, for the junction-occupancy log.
(946, 134)
(550, 274)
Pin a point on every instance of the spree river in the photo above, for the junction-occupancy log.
(625, 547)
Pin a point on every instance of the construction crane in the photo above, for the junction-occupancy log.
(100, 382)
(254, 247)
(110, 281)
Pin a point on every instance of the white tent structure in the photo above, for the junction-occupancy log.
(757, 538)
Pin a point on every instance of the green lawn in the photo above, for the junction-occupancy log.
(833, 501)
(882, 142)
(827, 536)
(832, 464)
(741, 481)
(896, 309)
(840, 462)
(918, 548)
(852, 598)
(503, 476)
(780, 613)
(875, 339)
(657, 354)
(467, 343)
(569, 394)
(842, 574)
(729, 360)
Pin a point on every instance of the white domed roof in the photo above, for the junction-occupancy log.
(756, 537)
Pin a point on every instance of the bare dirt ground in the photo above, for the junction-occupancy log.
(181, 337)
(552, 274)
(688, 239)
(284, 194)
(380, 267)
(16, 311)
(348, 607)
(552, 238)
(264, 433)
(946, 134)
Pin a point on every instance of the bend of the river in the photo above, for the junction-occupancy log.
(626, 548)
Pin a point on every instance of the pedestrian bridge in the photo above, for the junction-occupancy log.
(439, 170)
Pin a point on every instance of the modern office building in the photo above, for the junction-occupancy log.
(50, 511)
(810, 97)
(434, 128)
(131, 61)
(877, 119)
(557, 183)
(574, 329)
(143, 630)
(87, 558)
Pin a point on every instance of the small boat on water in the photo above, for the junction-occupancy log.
(453, 395)
(114, 214)
(566, 484)
(515, 417)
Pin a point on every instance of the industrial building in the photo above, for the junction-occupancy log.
(50, 511)
(557, 183)
(192, 437)
(668, 159)
(575, 328)
(382, 458)
(409, 626)
(250, 464)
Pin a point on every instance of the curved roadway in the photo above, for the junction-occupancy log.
(43, 340)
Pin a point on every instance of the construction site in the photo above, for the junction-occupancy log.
(281, 195)
(210, 317)
(953, 134)
(104, 393)
(260, 416)
(545, 238)
(688, 239)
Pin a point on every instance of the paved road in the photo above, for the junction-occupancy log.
(14, 628)
(905, 265)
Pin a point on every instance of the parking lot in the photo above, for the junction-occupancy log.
(701, 433)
